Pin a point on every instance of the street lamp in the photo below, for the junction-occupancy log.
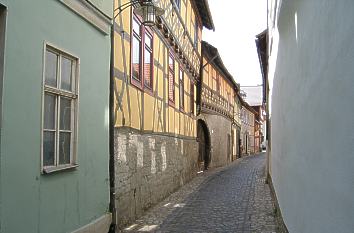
(146, 10)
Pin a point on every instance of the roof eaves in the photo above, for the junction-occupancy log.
(204, 13)
(213, 52)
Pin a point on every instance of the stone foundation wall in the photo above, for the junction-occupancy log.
(148, 168)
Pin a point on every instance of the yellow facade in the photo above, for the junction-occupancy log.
(150, 110)
(221, 92)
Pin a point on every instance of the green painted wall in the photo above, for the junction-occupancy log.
(64, 201)
(106, 6)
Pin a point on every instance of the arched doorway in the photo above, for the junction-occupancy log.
(203, 138)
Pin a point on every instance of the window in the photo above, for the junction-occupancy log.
(215, 82)
(178, 4)
(196, 29)
(59, 110)
(136, 51)
(218, 83)
(181, 90)
(148, 67)
(141, 56)
(171, 79)
(192, 97)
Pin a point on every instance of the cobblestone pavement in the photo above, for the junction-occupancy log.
(230, 199)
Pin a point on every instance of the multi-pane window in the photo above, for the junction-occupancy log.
(171, 79)
(215, 82)
(136, 51)
(228, 100)
(141, 55)
(181, 90)
(178, 4)
(192, 98)
(196, 29)
(148, 60)
(59, 109)
(218, 83)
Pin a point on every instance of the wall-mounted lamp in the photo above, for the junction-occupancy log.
(146, 9)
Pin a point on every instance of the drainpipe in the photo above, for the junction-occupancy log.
(112, 193)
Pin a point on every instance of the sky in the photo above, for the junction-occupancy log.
(237, 22)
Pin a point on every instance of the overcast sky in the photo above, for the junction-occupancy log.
(236, 24)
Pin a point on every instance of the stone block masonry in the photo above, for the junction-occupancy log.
(219, 128)
(149, 167)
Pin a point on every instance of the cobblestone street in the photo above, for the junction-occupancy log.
(230, 199)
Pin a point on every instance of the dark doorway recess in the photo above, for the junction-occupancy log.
(203, 138)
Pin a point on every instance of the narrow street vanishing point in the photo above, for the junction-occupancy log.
(230, 199)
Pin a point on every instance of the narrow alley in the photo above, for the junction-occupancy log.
(230, 199)
(183, 116)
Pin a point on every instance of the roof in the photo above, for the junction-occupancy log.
(248, 107)
(213, 57)
(262, 44)
(254, 95)
(204, 13)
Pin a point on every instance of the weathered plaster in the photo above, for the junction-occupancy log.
(148, 168)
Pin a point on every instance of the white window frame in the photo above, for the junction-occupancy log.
(74, 96)
(178, 4)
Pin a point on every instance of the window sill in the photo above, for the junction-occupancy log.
(49, 170)
(136, 83)
(171, 102)
(148, 90)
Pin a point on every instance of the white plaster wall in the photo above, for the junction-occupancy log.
(312, 115)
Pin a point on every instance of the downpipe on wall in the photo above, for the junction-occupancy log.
(112, 193)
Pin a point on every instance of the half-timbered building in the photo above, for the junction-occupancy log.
(247, 129)
(218, 108)
(155, 74)
(253, 96)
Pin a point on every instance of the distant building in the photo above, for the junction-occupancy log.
(247, 129)
(253, 95)
(258, 128)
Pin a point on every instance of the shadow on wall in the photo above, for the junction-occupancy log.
(283, 90)
(203, 138)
